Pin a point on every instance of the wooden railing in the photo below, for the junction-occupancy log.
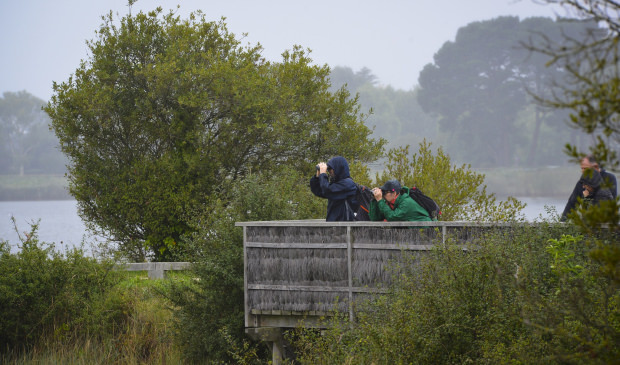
(156, 270)
(298, 271)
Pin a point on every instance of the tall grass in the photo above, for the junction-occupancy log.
(146, 337)
(33, 187)
(71, 309)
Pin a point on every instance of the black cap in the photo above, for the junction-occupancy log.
(391, 185)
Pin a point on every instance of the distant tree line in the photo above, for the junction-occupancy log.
(27, 146)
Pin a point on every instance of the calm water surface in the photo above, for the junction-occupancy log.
(60, 223)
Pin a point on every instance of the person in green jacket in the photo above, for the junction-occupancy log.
(393, 203)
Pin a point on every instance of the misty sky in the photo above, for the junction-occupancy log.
(42, 41)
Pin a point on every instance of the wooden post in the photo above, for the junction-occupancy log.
(350, 271)
(245, 279)
(273, 336)
(276, 352)
(443, 235)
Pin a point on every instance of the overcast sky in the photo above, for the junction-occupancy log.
(42, 41)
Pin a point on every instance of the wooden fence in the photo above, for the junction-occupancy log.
(156, 270)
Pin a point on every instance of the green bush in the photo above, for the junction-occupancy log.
(460, 192)
(45, 293)
(530, 295)
(68, 308)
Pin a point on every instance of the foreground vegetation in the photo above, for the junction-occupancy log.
(533, 295)
(537, 294)
(68, 308)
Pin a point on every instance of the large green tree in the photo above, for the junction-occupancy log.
(592, 68)
(168, 111)
(478, 86)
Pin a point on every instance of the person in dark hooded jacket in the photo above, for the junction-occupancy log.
(332, 182)
(593, 189)
(609, 180)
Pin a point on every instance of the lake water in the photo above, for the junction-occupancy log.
(60, 223)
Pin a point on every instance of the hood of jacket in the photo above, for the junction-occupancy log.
(340, 166)
(592, 178)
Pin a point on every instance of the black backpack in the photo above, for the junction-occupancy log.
(363, 196)
(433, 209)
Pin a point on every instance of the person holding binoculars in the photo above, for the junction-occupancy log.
(392, 204)
(333, 182)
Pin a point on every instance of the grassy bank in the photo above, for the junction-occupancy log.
(146, 337)
(33, 187)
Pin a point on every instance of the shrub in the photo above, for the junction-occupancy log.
(460, 192)
(530, 295)
(44, 292)
(68, 308)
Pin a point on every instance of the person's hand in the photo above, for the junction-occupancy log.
(322, 168)
(586, 192)
(377, 193)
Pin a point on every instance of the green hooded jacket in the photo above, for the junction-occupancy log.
(405, 209)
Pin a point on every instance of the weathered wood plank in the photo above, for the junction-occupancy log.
(383, 246)
(323, 223)
(156, 270)
(297, 288)
(295, 245)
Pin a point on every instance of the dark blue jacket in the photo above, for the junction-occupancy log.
(609, 181)
(339, 193)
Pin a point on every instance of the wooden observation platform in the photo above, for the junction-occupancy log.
(299, 271)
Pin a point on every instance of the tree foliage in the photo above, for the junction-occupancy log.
(592, 67)
(168, 112)
(458, 190)
(477, 86)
